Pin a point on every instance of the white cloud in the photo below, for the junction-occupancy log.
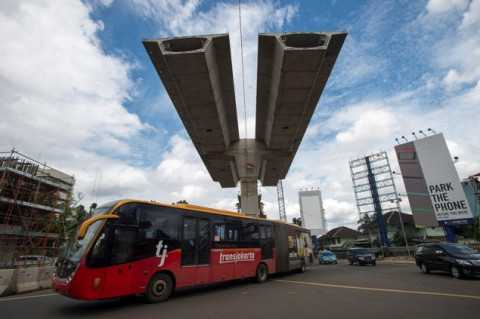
(452, 79)
(350, 129)
(62, 98)
(457, 48)
(471, 18)
(181, 165)
(257, 17)
(56, 81)
(340, 213)
(370, 124)
(440, 6)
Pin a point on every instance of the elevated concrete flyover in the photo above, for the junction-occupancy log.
(197, 74)
(293, 69)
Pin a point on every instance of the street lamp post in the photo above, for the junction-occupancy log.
(397, 201)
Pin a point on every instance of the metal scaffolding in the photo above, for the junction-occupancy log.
(375, 190)
(33, 197)
(281, 201)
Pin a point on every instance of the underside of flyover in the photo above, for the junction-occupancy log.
(293, 69)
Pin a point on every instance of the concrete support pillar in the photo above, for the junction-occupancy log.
(249, 197)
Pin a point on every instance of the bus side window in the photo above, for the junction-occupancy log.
(145, 243)
(122, 248)
(128, 213)
(113, 246)
(188, 244)
(266, 241)
(251, 234)
(219, 230)
(263, 233)
(98, 255)
(156, 224)
(228, 232)
(204, 242)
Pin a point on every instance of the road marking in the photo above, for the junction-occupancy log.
(26, 297)
(381, 289)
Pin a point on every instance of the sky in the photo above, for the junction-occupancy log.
(79, 92)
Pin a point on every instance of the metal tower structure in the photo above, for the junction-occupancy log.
(281, 201)
(375, 191)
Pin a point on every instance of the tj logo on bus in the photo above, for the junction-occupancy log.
(161, 252)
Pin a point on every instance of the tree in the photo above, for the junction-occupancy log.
(181, 202)
(468, 231)
(76, 219)
(398, 239)
(297, 221)
(92, 207)
(366, 221)
(261, 213)
(74, 214)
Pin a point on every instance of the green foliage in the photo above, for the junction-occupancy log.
(366, 221)
(181, 202)
(74, 214)
(398, 239)
(92, 207)
(469, 231)
(297, 221)
(385, 251)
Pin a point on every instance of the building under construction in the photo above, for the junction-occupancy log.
(33, 197)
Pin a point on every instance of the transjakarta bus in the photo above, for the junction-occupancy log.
(136, 247)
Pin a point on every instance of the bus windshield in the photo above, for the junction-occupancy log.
(76, 248)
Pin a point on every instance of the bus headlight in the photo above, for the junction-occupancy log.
(96, 282)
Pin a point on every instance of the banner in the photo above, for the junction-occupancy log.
(433, 187)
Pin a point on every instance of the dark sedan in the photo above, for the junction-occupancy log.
(457, 259)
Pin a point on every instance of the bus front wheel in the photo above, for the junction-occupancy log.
(261, 274)
(159, 288)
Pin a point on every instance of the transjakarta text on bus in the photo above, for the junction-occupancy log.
(136, 247)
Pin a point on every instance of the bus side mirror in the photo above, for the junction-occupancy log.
(83, 229)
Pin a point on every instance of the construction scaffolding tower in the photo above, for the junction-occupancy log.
(375, 191)
(33, 198)
(281, 201)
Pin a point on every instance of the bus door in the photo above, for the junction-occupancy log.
(118, 276)
(195, 257)
(266, 242)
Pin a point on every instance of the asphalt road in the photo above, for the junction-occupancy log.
(387, 290)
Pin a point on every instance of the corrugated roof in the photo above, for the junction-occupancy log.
(343, 232)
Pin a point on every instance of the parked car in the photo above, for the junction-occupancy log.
(327, 257)
(457, 259)
(29, 260)
(360, 256)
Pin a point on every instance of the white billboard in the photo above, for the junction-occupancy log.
(311, 210)
(431, 180)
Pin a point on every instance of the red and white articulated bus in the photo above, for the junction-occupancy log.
(132, 247)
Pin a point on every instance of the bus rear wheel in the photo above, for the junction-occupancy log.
(261, 274)
(159, 288)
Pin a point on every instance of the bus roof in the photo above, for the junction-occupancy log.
(201, 209)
